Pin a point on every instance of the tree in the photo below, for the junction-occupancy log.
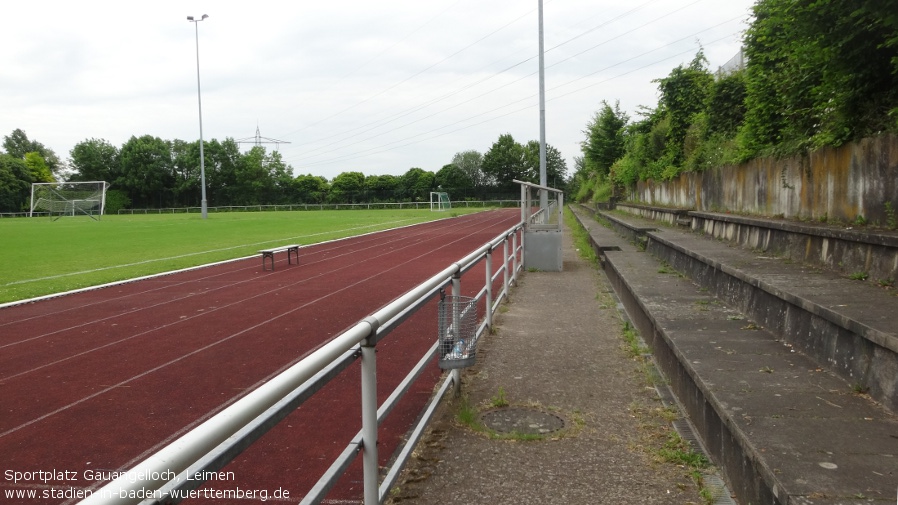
(147, 171)
(819, 73)
(382, 188)
(505, 162)
(347, 187)
(257, 178)
(38, 168)
(580, 183)
(311, 188)
(95, 160)
(726, 105)
(416, 185)
(645, 144)
(222, 167)
(17, 145)
(604, 142)
(556, 167)
(454, 181)
(684, 94)
(15, 184)
(471, 163)
(186, 173)
(283, 179)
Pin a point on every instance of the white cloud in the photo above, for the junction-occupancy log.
(376, 87)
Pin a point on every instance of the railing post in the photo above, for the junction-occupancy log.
(369, 420)
(489, 288)
(560, 200)
(514, 257)
(456, 372)
(505, 283)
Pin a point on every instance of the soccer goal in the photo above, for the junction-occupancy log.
(439, 201)
(59, 199)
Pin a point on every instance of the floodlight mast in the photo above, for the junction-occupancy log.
(203, 205)
(543, 194)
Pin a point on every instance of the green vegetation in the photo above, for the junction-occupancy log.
(149, 172)
(45, 256)
(676, 450)
(633, 345)
(499, 400)
(891, 218)
(604, 145)
(469, 416)
(665, 268)
(581, 238)
(508, 160)
(815, 74)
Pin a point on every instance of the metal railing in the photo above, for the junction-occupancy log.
(548, 218)
(214, 443)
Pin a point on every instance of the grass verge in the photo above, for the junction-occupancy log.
(582, 242)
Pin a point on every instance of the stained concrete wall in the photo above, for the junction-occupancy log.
(832, 184)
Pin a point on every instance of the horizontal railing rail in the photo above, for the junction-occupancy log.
(546, 217)
(214, 443)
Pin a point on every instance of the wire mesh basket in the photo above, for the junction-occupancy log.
(457, 321)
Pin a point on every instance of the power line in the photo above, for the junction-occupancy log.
(357, 140)
(383, 148)
(416, 74)
(380, 123)
(421, 106)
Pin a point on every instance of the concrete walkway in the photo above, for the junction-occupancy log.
(558, 352)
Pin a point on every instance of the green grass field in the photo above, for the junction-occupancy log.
(39, 256)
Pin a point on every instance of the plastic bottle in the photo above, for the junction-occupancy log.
(459, 350)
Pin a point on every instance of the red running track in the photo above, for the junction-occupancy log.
(95, 382)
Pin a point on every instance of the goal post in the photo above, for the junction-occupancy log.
(439, 200)
(59, 199)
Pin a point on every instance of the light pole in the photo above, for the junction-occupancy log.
(543, 194)
(199, 98)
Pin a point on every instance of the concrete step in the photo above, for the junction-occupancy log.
(847, 326)
(782, 428)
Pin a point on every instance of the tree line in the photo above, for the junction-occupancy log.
(817, 73)
(150, 172)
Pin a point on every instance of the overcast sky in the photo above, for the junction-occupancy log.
(371, 86)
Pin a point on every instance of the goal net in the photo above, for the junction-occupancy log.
(439, 201)
(68, 198)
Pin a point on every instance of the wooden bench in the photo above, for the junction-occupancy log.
(269, 253)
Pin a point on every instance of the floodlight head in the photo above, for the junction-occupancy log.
(204, 16)
(189, 18)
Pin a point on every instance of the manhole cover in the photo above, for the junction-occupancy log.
(523, 420)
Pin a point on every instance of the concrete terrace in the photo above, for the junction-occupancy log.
(784, 364)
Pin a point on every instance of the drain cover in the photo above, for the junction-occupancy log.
(523, 420)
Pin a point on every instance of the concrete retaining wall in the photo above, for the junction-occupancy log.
(830, 185)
